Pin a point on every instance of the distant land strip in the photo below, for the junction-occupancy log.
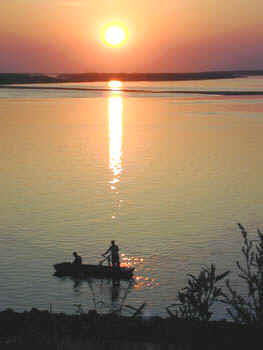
(196, 92)
(27, 78)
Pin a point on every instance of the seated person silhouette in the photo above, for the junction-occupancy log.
(78, 259)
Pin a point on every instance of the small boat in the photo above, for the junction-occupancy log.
(98, 271)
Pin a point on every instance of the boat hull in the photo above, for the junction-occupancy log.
(98, 271)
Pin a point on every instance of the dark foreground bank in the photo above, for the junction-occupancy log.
(44, 330)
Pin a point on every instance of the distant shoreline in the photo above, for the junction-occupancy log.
(26, 78)
(200, 92)
(12, 81)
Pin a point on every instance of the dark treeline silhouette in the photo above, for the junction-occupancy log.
(26, 78)
(156, 76)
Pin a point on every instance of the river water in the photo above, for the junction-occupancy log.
(168, 176)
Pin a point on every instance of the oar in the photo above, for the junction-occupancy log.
(107, 257)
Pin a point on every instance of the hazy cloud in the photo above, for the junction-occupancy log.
(70, 3)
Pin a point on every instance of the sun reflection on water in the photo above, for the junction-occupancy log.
(115, 137)
(142, 278)
(115, 111)
(115, 84)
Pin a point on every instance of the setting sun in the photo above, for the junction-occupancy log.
(115, 35)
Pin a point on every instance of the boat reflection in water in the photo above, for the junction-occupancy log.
(108, 296)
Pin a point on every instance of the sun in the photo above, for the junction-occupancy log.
(115, 35)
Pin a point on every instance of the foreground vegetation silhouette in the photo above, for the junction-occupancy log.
(248, 308)
(196, 300)
(189, 325)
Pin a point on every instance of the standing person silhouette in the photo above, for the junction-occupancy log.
(114, 251)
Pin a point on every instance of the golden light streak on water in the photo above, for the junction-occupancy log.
(115, 137)
(143, 278)
(115, 111)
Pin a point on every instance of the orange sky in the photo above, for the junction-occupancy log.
(164, 36)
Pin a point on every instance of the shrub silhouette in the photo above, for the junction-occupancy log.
(248, 309)
(198, 297)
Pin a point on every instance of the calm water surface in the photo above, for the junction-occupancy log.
(167, 176)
